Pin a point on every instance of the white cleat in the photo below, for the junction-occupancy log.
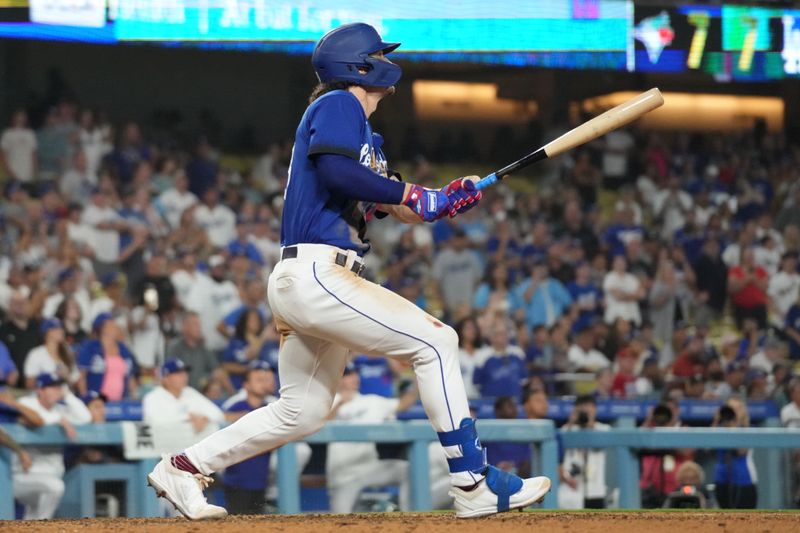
(482, 501)
(184, 491)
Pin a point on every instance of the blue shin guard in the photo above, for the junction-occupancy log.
(473, 455)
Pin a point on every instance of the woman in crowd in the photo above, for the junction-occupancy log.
(469, 342)
(54, 356)
(247, 344)
(106, 364)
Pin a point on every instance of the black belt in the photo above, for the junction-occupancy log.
(290, 252)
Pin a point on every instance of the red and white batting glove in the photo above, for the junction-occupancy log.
(462, 194)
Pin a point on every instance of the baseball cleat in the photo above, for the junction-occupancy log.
(499, 492)
(184, 491)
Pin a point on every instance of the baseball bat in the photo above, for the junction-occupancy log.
(614, 118)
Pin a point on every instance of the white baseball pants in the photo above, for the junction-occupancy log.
(323, 312)
(39, 493)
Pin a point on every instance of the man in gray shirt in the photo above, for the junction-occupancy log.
(457, 271)
(191, 349)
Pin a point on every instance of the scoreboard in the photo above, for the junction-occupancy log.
(728, 42)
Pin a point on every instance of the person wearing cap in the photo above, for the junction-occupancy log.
(174, 401)
(54, 356)
(105, 363)
(735, 375)
(246, 482)
(351, 467)
(68, 281)
(19, 331)
(40, 488)
(212, 298)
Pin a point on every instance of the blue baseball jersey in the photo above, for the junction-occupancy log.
(335, 123)
(376, 376)
(501, 374)
(251, 474)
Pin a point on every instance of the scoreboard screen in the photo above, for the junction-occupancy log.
(728, 42)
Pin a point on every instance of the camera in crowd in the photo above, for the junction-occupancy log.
(726, 416)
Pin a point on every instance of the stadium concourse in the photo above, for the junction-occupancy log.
(544, 522)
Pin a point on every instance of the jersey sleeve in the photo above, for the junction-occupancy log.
(337, 126)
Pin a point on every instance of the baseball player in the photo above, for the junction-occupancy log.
(324, 309)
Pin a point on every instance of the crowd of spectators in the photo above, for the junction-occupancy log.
(644, 265)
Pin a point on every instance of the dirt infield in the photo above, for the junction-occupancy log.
(535, 522)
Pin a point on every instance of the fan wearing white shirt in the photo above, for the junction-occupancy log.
(784, 288)
(790, 414)
(18, 145)
(622, 293)
(40, 487)
(213, 297)
(175, 200)
(218, 220)
(54, 356)
(106, 224)
(175, 401)
(583, 355)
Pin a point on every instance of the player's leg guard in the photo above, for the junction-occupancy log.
(498, 491)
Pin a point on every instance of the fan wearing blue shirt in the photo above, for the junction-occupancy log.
(541, 298)
(376, 376)
(242, 245)
(587, 296)
(8, 370)
(246, 482)
(254, 296)
(792, 330)
(105, 363)
(500, 368)
(509, 456)
(250, 342)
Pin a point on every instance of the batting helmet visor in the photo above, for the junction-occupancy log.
(344, 54)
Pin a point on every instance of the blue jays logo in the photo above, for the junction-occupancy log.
(655, 33)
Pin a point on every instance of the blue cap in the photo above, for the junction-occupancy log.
(173, 365)
(66, 274)
(101, 319)
(48, 324)
(94, 395)
(259, 364)
(47, 379)
(109, 278)
(736, 364)
(350, 368)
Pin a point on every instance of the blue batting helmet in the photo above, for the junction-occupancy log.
(344, 50)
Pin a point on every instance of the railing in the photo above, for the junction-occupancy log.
(623, 443)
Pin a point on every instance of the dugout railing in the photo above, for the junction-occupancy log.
(622, 443)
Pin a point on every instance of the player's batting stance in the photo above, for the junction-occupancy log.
(324, 308)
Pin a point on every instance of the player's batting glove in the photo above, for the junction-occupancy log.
(462, 194)
(428, 204)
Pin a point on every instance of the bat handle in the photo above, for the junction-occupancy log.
(486, 181)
